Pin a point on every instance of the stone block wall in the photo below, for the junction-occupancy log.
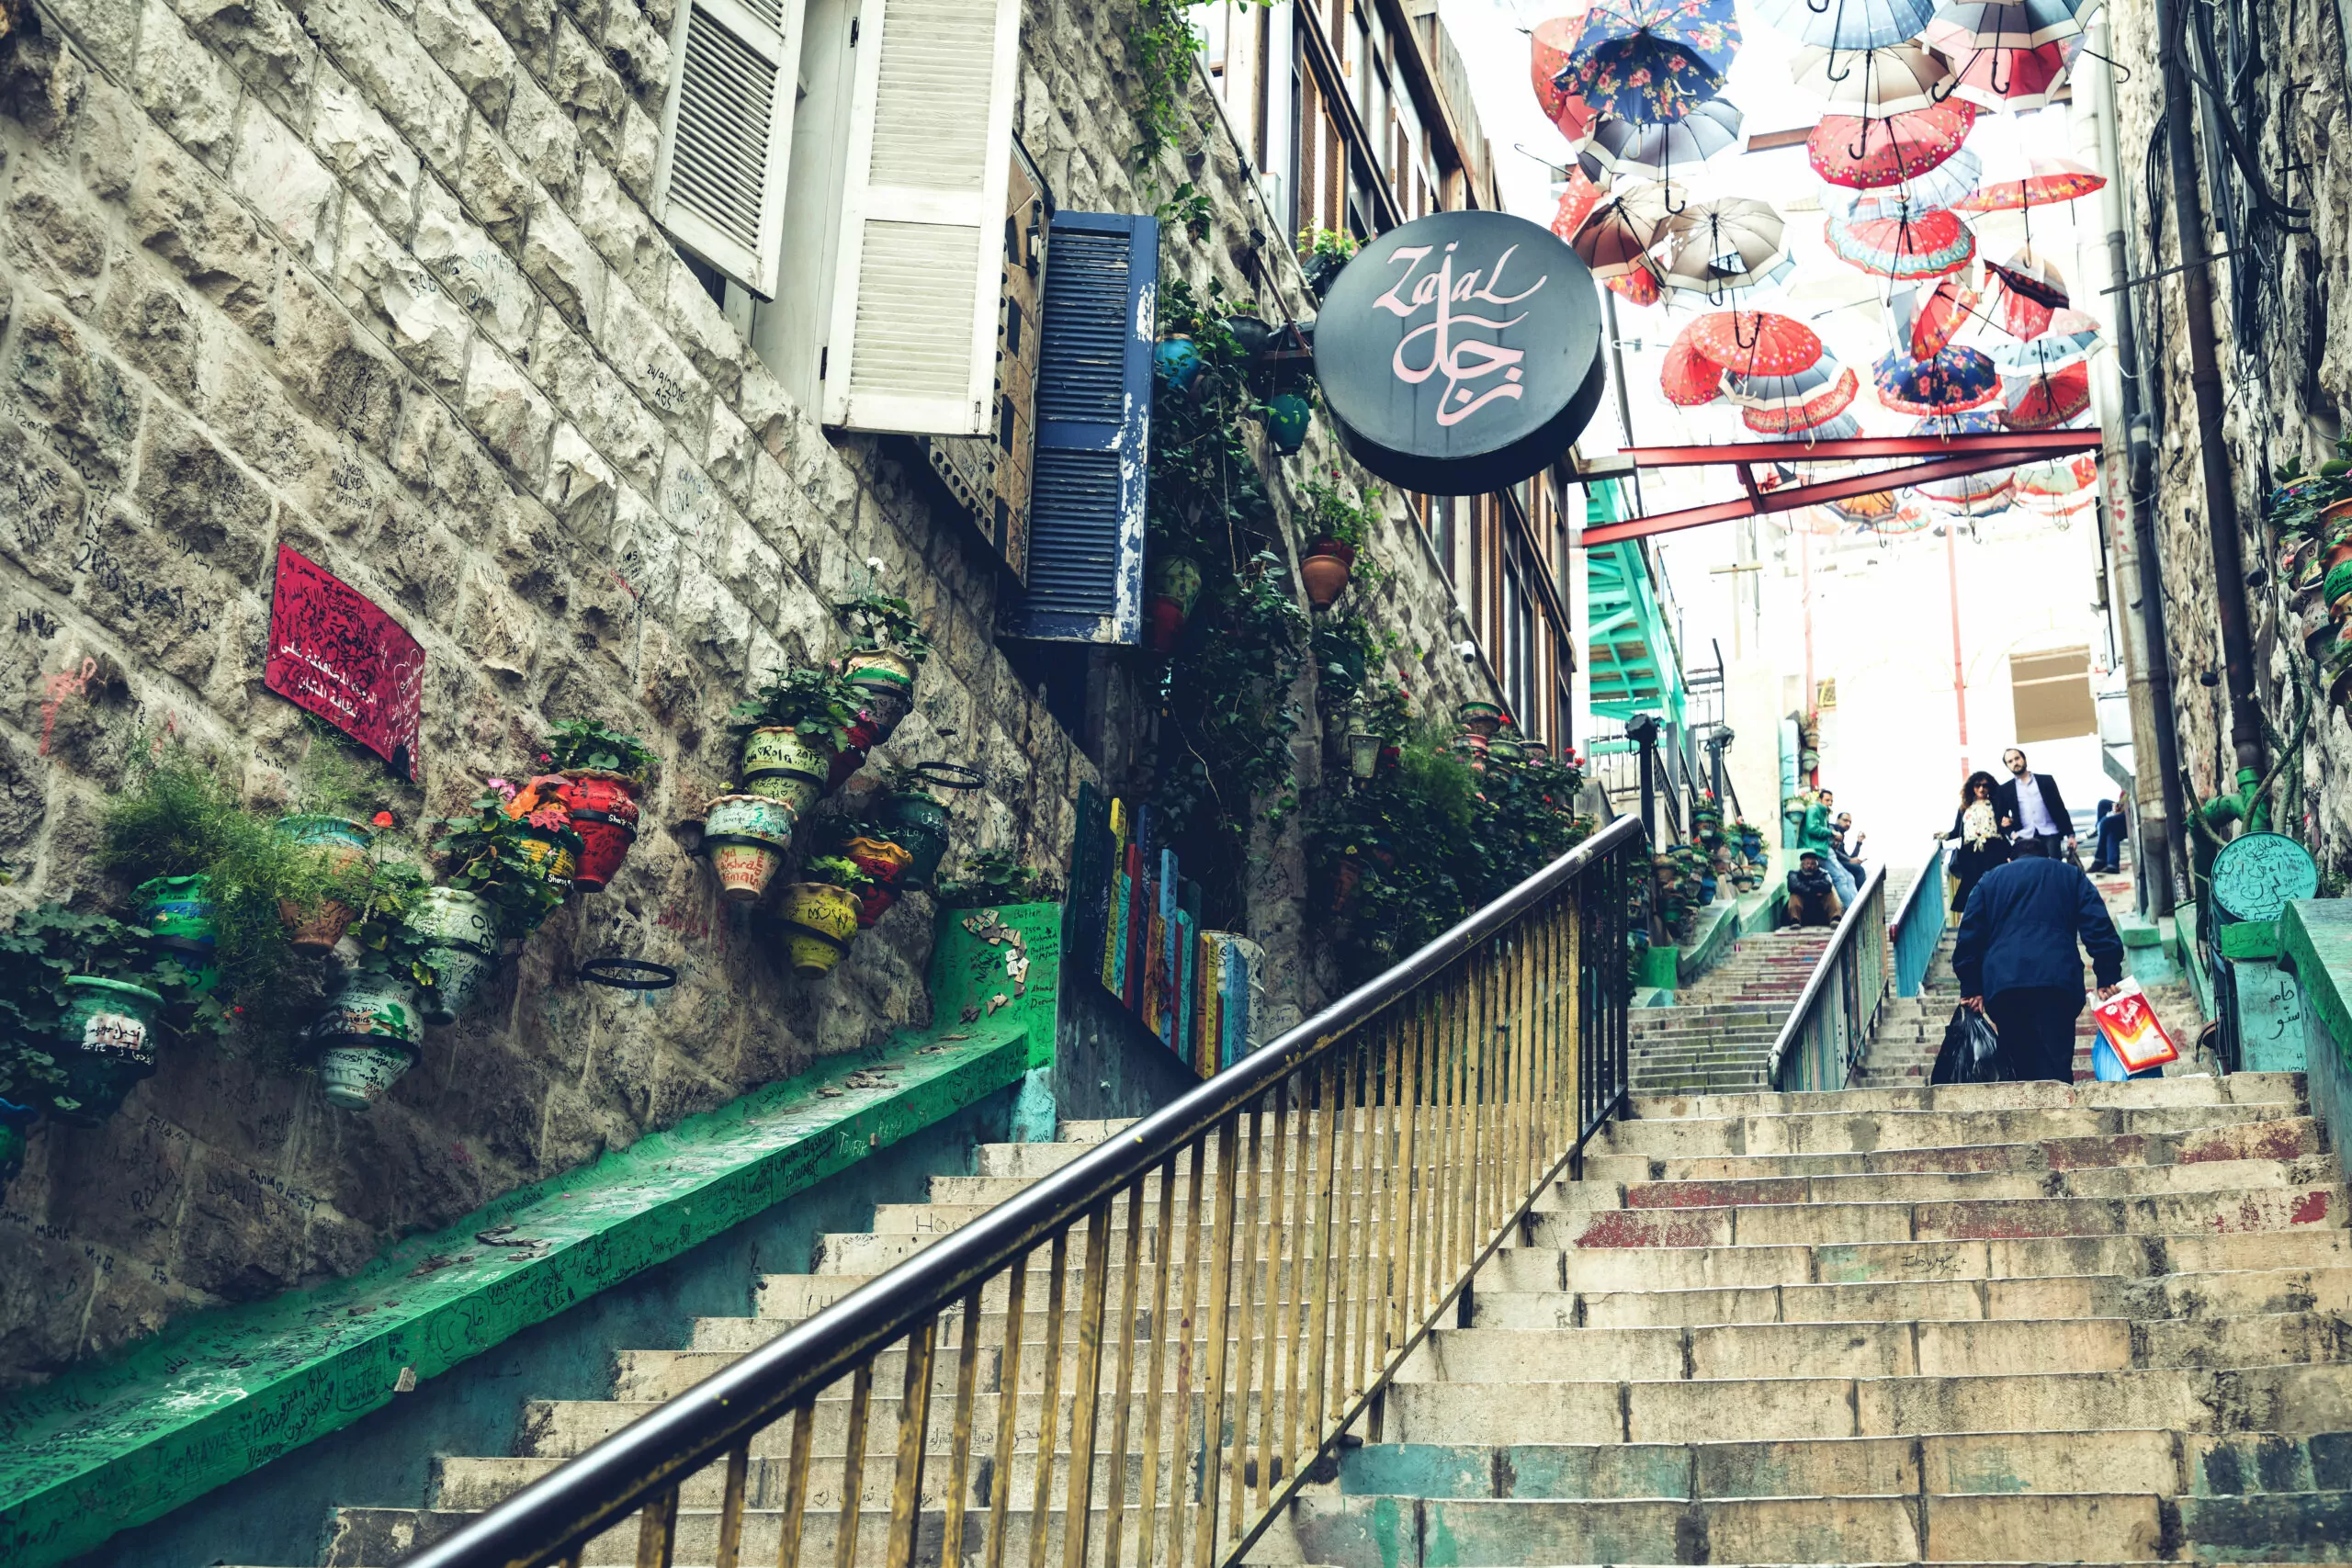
(375, 278)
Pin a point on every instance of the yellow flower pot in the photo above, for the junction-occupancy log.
(819, 920)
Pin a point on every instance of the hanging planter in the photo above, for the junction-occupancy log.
(179, 911)
(552, 853)
(1364, 753)
(604, 814)
(1288, 418)
(1346, 877)
(367, 1038)
(1175, 588)
(109, 1045)
(886, 686)
(313, 930)
(1479, 717)
(1326, 569)
(918, 819)
(1176, 362)
(787, 767)
(457, 935)
(864, 735)
(747, 837)
(884, 863)
(819, 920)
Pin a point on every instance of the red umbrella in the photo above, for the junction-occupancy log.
(1639, 288)
(1690, 378)
(1929, 245)
(1874, 151)
(2045, 402)
(1935, 321)
(1818, 408)
(2016, 80)
(1755, 343)
(2034, 277)
(2052, 180)
(1577, 203)
(2022, 318)
(1563, 108)
(1878, 505)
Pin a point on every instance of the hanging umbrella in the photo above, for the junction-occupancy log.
(1946, 184)
(1926, 323)
(2053, 180)
(2034, 277)
(1689, 379)
(1764, 392)
(1845, 427)
(1804, 415)
(1971, 495)
(1635, 287)
(1651, 61)
(1963, 27)
(1577, 203)
(2014, 80)
(1876, 82)
(1973, 421)
(1716, 246)
(1877, 507)
(2045, 402)
(1870, 152)
(1617, 238)
(1755, 343)
(1553, 40)
(1951, 382)
(1620, 149)
(1907, 520)
(2022, 318)
(2043, 354)
(2058, 477)
(1847, 25)
(1930, 246)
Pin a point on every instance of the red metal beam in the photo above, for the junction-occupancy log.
(2016, 445)
(1802, 496)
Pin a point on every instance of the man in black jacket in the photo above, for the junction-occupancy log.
(2031, 810)
(2016, 960)
(1813, 900)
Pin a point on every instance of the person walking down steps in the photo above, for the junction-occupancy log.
(1976, 831)
(2017, 963)
(2032, 810)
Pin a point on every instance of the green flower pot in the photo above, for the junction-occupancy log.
(367, 1038)
(109, 1045)
(886, 686)
(460, 930)
(179, 911)
(918, 824)
(15, 1122)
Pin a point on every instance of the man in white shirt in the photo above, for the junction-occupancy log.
(2032, 811)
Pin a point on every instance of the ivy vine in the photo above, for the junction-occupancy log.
(1164, 45)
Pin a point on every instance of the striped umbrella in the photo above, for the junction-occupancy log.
(2045, 402)
(2033, 276)
(1845, 427)
(2053, 180)
(1762, 392)
(1847, 25)
(1876, 507)
(2017, 81)
(1689, 379)
(1802, 414)
(1621, 150)
(1552, 41)
(1944, 186)
(2042, 356)
(1951, 381)
(1755, 343)
(1652, 61)
(1930, 246)
(1897, 79)
(1715, 247)
(1963, 27)
(1871, 151)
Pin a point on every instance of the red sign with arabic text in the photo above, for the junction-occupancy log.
(333, 651)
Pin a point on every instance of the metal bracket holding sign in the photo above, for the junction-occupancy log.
(333, 652)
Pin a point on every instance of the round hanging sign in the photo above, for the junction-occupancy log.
(2256, 876)
(1461, 353)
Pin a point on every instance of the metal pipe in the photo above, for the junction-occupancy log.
(2205, 381)
(2142, 567)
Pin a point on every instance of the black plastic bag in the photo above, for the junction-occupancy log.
(1971, 1051)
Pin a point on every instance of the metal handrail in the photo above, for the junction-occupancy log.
(1856, 944)
(1914, 956)
(1522, 1070)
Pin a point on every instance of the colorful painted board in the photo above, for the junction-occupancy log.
(333, 652)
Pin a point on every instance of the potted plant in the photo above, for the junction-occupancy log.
(790, 728)
(603, 774)
(1175, 588)
(819, 914)
(451, 933)
(169, 826)
(375, 1020)
(1322, 252)
(883, 861)
(916, 820)
(81, 1000)
(1288, 418)
(988, 881)
(332, 855)
(888, 647)
(1336, 528)
(746, 838)
(513, 862)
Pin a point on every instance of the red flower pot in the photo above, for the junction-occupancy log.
(604, 812)
(864, 735)
(874, 903)
(1326, 569)
(1163, 619)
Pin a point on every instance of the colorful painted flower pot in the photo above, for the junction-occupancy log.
(354, 1075)
(1479, 719)
(918, 824)
(880, 858)
(747, 837)
(819, 920)
(459, 976)
(864, 735)
(1175, 587)
(367, 1038)
(604, 814)
(553, 852)
(460, 930)
(1176, 362)
(314, 930)
(1287, 419)
(109, 1045)
(886, 686)
(1326, 568)
(179, 912)
(783, 764)
(874, 902)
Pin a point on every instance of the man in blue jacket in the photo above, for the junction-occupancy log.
(2017, 963)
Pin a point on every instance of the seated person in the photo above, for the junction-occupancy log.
(1812, 899)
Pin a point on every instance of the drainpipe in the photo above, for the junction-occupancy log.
(2139, 571)
(2205, 380)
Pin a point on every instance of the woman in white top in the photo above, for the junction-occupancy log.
(1977, 829)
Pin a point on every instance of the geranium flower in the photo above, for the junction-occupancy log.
(547, 817)
(382, 819)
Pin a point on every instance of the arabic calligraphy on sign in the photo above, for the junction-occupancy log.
(337, 653)
(1454, 347)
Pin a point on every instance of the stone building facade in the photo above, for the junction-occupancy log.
(379, 280)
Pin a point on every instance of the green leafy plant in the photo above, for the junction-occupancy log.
(1331, 243)
(584, 743)
(39, 951)
(1164, 42)
(1188, 208)
(387, 946)
(504, 859)
(332, 779)
(883, 623)
(814, 699)
(837, 870)
(173, 816)
(994, 879)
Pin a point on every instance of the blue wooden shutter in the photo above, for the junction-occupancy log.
(1094, 423)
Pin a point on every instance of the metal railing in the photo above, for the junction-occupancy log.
(1827, 1030)
(1919, 925)
(1254, 1262)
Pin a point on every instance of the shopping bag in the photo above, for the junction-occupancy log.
(2105, 1066)
(1971, 1050)
(2129, 1025)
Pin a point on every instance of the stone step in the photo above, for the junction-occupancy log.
(1851, 1131)
(2286, 1139)
(2292, 1399)
(2237, 1088)
(2096, 1181)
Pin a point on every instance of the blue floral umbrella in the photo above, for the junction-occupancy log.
(1651, 62)
(1976, 421)
(1953, 380)
(1847, 23)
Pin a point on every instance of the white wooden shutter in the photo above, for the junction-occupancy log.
(912, 345)
(726, 134)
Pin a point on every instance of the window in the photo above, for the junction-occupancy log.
(846, 164)
(2052, 693)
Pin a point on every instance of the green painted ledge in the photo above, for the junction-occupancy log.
(119, 1443)
(2315, 946)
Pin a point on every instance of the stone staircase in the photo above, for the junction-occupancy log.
(1719, 1033)
(1998, 1324)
